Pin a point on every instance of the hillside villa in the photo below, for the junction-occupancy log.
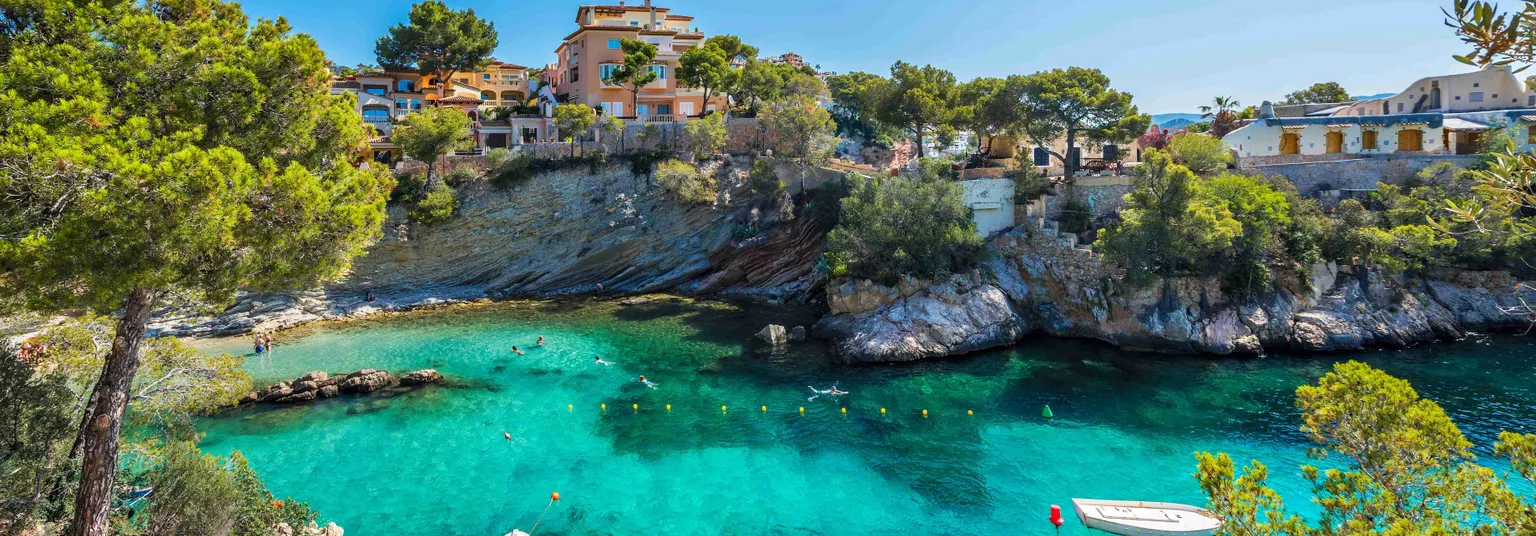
(1440, 115)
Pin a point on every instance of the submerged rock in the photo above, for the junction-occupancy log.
(797, 334)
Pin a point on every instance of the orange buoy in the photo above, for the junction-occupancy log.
(554, 496)
(507, 435)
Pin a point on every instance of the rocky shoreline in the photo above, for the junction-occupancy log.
(1034, 285)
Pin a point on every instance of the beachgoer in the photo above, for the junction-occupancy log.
(601, 362)
(830, 391)
(516, 351)
(541, 341)
(647, 382)
(261, 346)
(369, 297)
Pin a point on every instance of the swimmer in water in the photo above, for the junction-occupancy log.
(647, 382)
(541, 341)
(831, 391)
(601, 362)
(516, 351)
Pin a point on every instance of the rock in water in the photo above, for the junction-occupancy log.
(420, 377)
(774, 334)
(328, 391)
(797, 334)
(314, 376)
(366, 381)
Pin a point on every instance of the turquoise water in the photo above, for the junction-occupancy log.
(434, 460)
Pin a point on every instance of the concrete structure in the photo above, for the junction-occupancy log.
(1358, 174)
(991, 203)
(590, 53)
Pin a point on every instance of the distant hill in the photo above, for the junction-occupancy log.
(1175, 121)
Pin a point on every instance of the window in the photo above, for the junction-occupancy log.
(376, 90)
(375, 115)
(634, 23)
(486, 76)
(660, 70)
(1399, 107)
(405, 86)
(663, 109)
(1475, 84)
(642, 109)
(606, 71)
(685, 108)
(1531, 100)
(1475, 96)
(400, 104)
(615, 44)
(415, 104)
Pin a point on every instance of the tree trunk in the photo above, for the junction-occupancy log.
(1068, 163)
(919, 140)
(99, 460)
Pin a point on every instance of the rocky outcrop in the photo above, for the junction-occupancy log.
(319, 385)
(1034, 284)
(420, 377)
(330, 529)
(918, 320)
(567, 232)
(774, 335)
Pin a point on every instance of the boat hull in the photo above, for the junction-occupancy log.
(1134, 518)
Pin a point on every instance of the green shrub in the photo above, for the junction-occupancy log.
(1029, 183)
(707, 135)
(407, 187)
(826, 203)
(763, 180)
(460, 176)
(685, 182)
(194, 495)
(1075, 218)
(1201, 154)
(892, 226)
(437, 207)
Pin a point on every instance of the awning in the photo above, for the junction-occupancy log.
(1528, 118)
(1457, 123)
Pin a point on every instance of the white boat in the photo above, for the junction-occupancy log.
(1135, 518)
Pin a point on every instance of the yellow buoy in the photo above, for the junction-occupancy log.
(845, 410)
(722, 409)
(802, 409)
(669, 407)
(635, 407)
(765, 409)
(570, 407)
(605, 407)
(882, 411)
(969, 412)
(925, 413)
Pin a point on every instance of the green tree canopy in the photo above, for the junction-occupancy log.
(438, 41)
(893, 226)
(168, 150)
(987, 107)
(707, 68)
(1319, 93)
(735, 50)
(920, 97)
(1076, 102)
(1200, 153)
(431, 133)
(856, 99)
(574, 120)
(1165, 229)
(635, 72)
(1403, 468)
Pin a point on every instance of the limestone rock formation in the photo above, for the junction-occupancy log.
(420, 377)
(1032, 283)
(774, 335)
(366, 381)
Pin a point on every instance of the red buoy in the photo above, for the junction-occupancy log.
(554, 496)
(1056, 516)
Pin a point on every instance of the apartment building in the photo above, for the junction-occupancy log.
(591, 52)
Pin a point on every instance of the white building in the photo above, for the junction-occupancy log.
(991, 203)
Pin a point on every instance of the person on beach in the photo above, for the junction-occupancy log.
(601, 362)
(647, 382)
(516, 351)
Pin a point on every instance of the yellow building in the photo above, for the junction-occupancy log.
(592, 51)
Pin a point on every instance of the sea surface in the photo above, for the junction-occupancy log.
(736, 455)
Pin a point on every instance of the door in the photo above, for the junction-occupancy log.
(618, 109)
(1466, 142)
(1410, 140)
(685, 108)
(1335, 142)
(1368, 140)
(495, 140)
(1290, 143)
(642, 110)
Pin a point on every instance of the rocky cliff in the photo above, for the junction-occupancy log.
(1033, 284)
(561, 233)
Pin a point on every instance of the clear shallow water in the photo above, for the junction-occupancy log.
(434, 461)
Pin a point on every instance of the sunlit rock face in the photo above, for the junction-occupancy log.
(1033, 283)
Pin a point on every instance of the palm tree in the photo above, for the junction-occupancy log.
(1224, 105)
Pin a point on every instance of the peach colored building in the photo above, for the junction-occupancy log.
(593, 50)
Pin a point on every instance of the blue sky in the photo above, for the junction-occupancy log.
(1172, 55)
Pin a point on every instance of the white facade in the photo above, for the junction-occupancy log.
(991, 203)
(1264, 139)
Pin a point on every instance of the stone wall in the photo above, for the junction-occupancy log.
(1359, 173)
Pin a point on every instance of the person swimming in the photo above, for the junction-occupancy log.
(541, 341)
(830, 391)
(516, 351)
(647, 382)
(601, 362)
